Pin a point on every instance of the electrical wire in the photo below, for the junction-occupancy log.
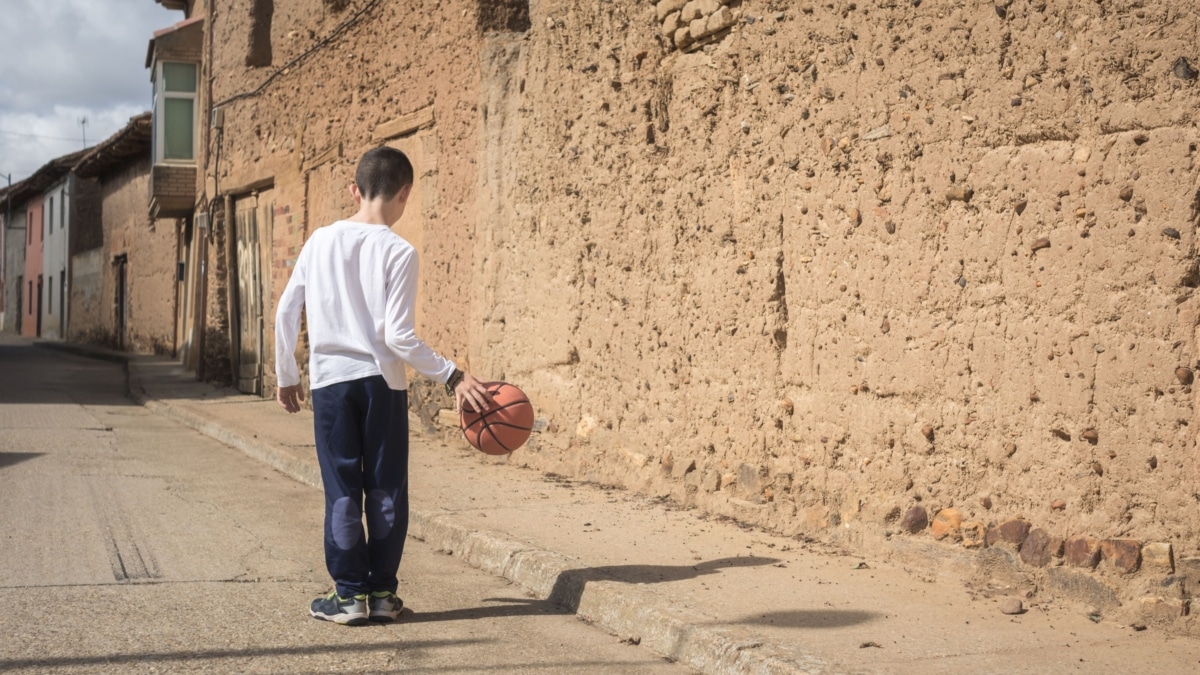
(49, 138)
(290, 64)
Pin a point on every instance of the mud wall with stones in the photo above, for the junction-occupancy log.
(842, 260)
(149, 247)
(339, 78)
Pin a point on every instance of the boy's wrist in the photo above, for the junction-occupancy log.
(452, 382)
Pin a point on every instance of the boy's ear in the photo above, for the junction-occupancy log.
(404, 193)
(355, 194)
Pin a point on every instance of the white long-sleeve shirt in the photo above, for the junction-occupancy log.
(358, 286)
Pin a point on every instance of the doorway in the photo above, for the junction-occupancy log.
(39, 307)
(252, 214)
(120, 298)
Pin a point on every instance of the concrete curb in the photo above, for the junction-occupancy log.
(629, 611)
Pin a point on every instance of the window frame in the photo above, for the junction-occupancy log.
(160, 120)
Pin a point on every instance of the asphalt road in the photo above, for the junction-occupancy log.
(129, 543)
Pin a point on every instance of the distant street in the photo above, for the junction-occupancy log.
(131, 543)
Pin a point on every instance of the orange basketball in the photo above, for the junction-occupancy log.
(502, 428)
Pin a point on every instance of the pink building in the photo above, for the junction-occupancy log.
(31, 320)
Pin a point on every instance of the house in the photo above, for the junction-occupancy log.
(125, 290)
(61, 216)
(12, 234)
(30, 197)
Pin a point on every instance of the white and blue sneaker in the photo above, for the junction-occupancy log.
(384, 606)
(350, 611)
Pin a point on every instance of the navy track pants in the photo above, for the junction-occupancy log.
(362, 446)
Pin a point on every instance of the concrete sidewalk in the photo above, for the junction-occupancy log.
(701, 591)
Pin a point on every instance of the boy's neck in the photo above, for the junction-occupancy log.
(369, 216)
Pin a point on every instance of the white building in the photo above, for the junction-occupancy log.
(56, 223)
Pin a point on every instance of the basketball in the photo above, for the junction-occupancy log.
(504, 427)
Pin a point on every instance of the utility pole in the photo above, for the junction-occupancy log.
(83, 127)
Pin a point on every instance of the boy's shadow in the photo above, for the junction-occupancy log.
(569, 587)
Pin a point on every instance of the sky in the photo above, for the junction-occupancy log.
(67, 59)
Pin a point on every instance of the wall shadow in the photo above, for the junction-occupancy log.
(570, 585)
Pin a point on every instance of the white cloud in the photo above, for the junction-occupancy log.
(69, 59)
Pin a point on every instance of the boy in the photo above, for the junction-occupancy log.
(356, 280)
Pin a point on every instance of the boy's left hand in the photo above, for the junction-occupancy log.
(290, 397)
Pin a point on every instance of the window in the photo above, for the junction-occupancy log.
(62, 210)
(50, 295)
(50, 216)
(175, 112)
(29, 307)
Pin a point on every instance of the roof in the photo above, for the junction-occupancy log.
(47, 175)
(167, 31)
(130, 142)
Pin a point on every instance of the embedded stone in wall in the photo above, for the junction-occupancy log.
(1158, 557)
(1012, 532)
(671, 24)
(1123, 554)
(947, 523)
(688, 23)
(665, 7)
(1162, 609)
(1082, 551)
(974, 534)
(1039, 547)
(915, 520)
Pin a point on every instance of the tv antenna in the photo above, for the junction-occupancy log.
(83, 129)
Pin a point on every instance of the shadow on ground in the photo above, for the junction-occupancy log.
(8, 459)
(811, 618)
(47, 377)
(144, 658)
(568, 592)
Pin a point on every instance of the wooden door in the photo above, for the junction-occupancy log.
(249, 212)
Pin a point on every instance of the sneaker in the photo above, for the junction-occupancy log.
(346, 611)
(385, 606)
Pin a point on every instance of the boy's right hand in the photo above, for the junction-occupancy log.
(290, 397)
(472, 392)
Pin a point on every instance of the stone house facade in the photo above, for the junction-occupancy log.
(834, 270)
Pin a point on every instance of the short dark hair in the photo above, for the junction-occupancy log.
(382, 172)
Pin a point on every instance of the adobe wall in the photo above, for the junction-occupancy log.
(843, 260)
(821, 268)
(149, 248)
(304, 130)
